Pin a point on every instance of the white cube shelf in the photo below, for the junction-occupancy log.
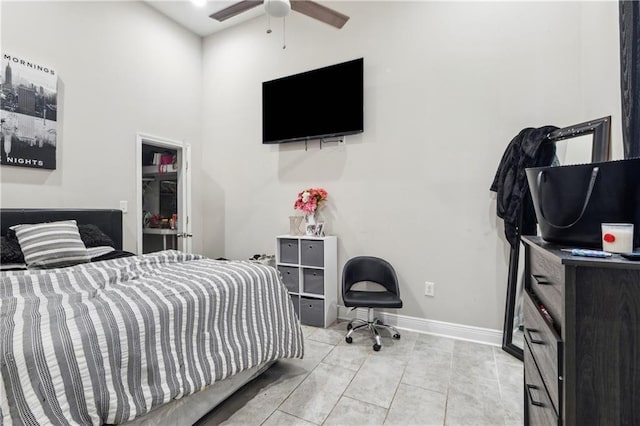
(309, 269)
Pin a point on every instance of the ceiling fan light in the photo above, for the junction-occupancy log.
(277, 8)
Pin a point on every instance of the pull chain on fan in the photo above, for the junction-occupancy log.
(284, 33)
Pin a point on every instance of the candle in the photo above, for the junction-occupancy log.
(617, 237)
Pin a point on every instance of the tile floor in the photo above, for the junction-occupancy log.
(418, 380)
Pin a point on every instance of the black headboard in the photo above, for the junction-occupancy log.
(109, 221)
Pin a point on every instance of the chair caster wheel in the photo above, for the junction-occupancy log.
(348, 339)
(396, 336)
(349, 326)
(376, 347)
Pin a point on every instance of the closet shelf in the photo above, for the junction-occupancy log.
(170, 170)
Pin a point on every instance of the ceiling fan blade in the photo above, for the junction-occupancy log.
(235, 9)
(319, 12)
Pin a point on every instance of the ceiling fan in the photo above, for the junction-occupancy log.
(281, 8)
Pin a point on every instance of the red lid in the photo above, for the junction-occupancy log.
(609, 237)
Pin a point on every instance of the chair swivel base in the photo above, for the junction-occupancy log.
(372, 325)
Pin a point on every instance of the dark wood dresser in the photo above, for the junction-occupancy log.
(582, 338)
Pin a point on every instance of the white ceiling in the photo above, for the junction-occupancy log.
(196, 18)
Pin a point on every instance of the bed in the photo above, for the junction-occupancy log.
(158, 338)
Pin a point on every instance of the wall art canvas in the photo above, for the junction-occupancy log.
(28, 113)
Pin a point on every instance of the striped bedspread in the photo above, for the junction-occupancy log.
(107, 342)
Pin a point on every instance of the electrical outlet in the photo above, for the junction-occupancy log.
(429, 288)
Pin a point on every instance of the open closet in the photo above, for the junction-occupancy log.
(159, 198)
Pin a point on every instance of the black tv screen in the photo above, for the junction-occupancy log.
(315, 104)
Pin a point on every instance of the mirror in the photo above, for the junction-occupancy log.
(574, 151)
(168, 197)
(587, 142)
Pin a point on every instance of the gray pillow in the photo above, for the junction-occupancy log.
(51, 245)
(92, 236)
(10, 251)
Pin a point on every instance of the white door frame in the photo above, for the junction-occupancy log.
(184, 180)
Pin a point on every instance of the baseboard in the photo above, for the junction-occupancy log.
(422, 325)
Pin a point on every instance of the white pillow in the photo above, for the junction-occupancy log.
(51, 245)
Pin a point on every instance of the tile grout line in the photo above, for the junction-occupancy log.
(500, 392)
(297, 417)
(345, 388)
(446, 400)
(342, 395)
(371, 356)
(404, 369)
(446, 405)
(288, 395)
(305, 378)
(495, 362)
(298, 385)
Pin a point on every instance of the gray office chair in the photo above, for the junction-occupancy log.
(373, 269)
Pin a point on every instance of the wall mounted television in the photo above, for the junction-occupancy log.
(317, 104)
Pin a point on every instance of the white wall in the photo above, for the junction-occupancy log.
(123, 68)
(447, 85)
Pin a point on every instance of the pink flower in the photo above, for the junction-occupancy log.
(310, 200)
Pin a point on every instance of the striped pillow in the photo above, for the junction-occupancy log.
(51, 245)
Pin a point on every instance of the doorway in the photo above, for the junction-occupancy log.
(163, 182)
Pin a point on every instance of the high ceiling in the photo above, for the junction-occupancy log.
(196, 18)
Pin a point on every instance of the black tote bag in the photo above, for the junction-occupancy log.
(571, 202)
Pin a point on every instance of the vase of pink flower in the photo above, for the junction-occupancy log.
(309, 201)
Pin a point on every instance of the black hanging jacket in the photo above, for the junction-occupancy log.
(527, 149)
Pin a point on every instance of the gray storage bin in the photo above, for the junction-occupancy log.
(296, 304)
(312, 252)
(313, 281)
(312, 311)
(290, 277)
(288, 250)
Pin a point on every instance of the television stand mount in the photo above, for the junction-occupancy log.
(340, 140)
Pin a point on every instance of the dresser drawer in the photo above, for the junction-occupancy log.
(539, 409)
(545, 345)
(546, 281)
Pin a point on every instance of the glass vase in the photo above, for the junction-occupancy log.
(294, 225)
